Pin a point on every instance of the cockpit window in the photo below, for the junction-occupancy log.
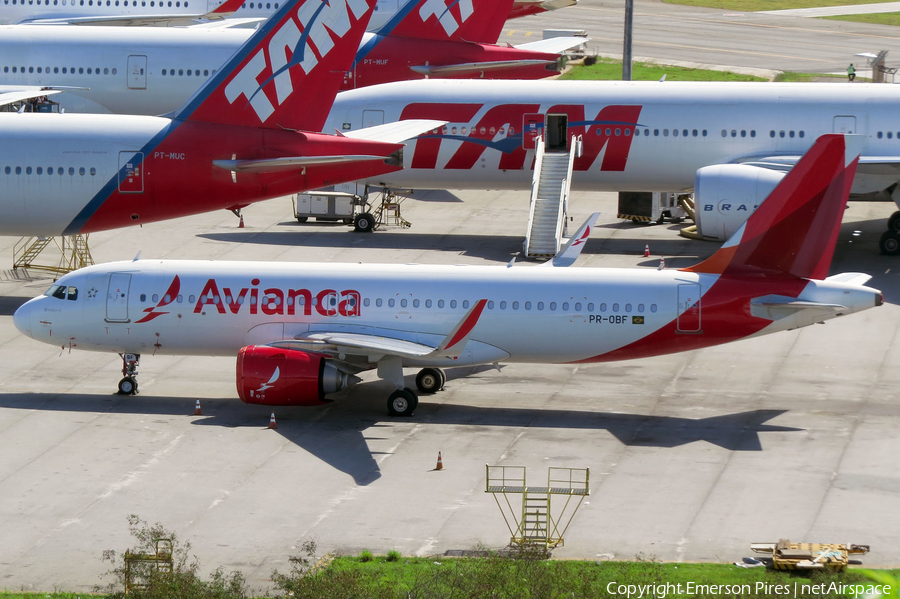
(57, 291)
(73, 293)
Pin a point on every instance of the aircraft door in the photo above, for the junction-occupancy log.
(531, 129)
(689, 308)
(137, 72)
(117, 297)
(131, 172)
(556, 133)
(844, 124)
(372, 118)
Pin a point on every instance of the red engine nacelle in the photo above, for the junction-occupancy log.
(283, 377)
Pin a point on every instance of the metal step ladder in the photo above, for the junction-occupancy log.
(550, 190)
(534, 527)
(72, 250)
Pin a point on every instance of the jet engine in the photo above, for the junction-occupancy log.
(284, 377)
(725, 195)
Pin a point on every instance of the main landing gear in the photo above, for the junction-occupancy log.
(890, 239)
(128, 385)
(403, 402)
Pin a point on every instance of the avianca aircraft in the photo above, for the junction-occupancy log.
(729, 142)
(187, 12)
(302, 331)
(242, 138)
(154, 70)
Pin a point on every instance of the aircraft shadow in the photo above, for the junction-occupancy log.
(338, 434)
(10, 303)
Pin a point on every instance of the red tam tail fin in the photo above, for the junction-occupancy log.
(288, 72)
(478, 21)
(794, 231)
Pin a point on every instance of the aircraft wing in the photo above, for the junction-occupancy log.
(475, 67)
(368, 345)
(553, 45)
(269, 165)
(869, 165)
(25, 93)
(524, 8)
(396, 132)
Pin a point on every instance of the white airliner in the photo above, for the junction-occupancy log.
(154, 70)
(302, 331)
(729, 142)
(188, 12)
(243, 137)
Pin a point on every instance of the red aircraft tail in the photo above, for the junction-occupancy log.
(795, 230)
(478, 21)
(288, 73)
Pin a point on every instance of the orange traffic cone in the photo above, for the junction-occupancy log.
(197, 411)
(646, 250)
(272, 421)
(662, 263)
(440, 463)
(241, 224)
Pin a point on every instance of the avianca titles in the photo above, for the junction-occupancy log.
(246, 135)
(303, 331)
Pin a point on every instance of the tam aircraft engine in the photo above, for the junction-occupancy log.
(725, 195)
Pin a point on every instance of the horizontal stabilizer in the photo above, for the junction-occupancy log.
(396, 132)
(270, 165)
(851, 278)
(553, 45)
(476, 67)
(776, 307)
(570, 252)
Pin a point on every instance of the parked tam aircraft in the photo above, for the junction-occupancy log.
(729, 142)
(154, 70)
(303, 331)
(242, 138)
(187, 12)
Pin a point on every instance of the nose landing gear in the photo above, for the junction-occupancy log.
(128, 385)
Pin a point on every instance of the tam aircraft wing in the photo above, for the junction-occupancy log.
(395, 132)
(870, 165)
(26, 93)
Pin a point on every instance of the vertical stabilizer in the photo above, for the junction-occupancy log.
(478, 21)
(288, 73)
(794, 231)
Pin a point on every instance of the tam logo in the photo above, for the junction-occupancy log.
(302, 40)
(439, 9)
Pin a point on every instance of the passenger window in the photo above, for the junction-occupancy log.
(378, 303)
(427, 303)
(465, 304)
(490, 305)
(391, 303)
(452, 303)
(192, 299)
(503, 305)
(515, 305)
(540, 306)
(440, 303)
(402, 303)
(565, 306)
(641, 308)
(628, 307)
(590, 307)
(552, 305)
(528, 305)
(415, 303)
(179, 298)
(143, 297)
(653, 307)
(578, 306)
(615, 307)
(603, 307)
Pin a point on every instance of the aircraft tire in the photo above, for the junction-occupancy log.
(302, 219)
(128, 386)
(429, 380)
(364, 223)
(894, 222)
(890, 243)
(402, 402)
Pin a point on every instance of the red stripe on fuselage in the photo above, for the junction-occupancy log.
(725, 317)
(180, 178)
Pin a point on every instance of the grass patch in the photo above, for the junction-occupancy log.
(884, 18)
(610, 69)
(794, 77)
(755, 5)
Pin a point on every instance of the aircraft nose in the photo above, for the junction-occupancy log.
(22, 318)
